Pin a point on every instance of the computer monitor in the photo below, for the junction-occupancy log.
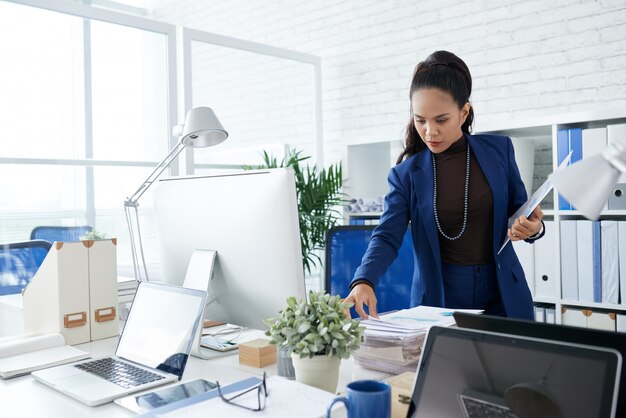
(251, 219)
(564, 333)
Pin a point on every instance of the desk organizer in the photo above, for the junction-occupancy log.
(74, 292)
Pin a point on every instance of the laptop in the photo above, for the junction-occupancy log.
(152, 349)
(469, 373)
(565, 333)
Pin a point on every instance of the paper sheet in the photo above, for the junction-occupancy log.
(415, 319)
(527, 208)
(287, 399)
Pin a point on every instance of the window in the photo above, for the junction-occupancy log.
(88, 104)
(87, 100)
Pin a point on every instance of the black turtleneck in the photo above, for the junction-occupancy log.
(475, 246)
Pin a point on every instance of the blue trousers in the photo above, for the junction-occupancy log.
(472, 287)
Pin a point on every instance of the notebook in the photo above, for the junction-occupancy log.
(464, 373)
(577, 335)
(152, 350)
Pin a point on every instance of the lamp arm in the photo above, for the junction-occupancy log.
(132, 200)
(132, 220)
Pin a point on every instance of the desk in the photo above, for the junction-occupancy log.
(24, 397)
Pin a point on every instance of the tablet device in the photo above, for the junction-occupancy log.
(147, 401)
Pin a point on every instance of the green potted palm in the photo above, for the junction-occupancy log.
(318, 333)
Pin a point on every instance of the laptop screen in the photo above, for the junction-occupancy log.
(462, 369)
(577, 335)
(161, 325)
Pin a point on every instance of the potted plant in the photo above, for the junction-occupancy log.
(319, 194)
(319, 334)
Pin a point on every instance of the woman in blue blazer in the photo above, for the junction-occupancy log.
(456, 191)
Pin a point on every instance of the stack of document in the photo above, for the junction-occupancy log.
(393, 343)
(126, 289)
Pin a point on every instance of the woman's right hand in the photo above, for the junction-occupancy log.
(363, 294)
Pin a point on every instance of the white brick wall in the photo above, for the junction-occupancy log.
(528, 57)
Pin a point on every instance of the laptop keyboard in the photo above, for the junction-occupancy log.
(119, 372)
(480, 409)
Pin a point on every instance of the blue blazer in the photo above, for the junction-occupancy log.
(410, 198)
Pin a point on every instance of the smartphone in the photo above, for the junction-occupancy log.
(165, 396)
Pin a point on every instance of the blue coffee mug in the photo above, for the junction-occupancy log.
(366, 399)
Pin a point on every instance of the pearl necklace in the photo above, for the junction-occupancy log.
(465, 198)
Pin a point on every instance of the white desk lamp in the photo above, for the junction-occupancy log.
(588, 183)
(201, 129)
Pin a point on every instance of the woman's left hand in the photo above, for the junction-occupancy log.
(523, 227)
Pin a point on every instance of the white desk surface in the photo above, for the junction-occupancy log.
(24, 397)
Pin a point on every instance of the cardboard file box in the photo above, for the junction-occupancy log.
(74, 292)
(57, 297)
(103, 288)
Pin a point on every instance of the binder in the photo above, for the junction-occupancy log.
(573, 317)
(551, 315)
(569, 260)
(575, 142)
(562, 149)
(621, 250)
(540, 313)
(593, 141)
(103, 302)
(617, 198)
(526, 255)
(610, 262)
(620, 323)
(546, 282)
(584, 242)
(597, 262)
(617, 133)
(57, 297)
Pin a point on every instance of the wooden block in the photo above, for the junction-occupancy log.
(401, 392)
(257, 353)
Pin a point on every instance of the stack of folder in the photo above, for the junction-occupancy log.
(257, 353)
(126, 289)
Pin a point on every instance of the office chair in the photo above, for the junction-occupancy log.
(60, 233)
(346, 245)
(19, 262)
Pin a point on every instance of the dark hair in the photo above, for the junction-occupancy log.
(444, 71)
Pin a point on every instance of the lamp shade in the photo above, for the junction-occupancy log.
(587, 184)
(201, 129)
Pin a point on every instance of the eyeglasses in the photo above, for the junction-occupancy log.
(261, 393)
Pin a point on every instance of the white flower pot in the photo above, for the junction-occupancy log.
(319, 371)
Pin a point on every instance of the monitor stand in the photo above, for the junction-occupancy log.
(199, 273)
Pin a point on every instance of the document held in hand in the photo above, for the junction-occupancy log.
(527, 208)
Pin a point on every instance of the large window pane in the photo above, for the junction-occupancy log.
(39, 195)
(113, 185)
(41, 83)
(129, 93)
(259, 99)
